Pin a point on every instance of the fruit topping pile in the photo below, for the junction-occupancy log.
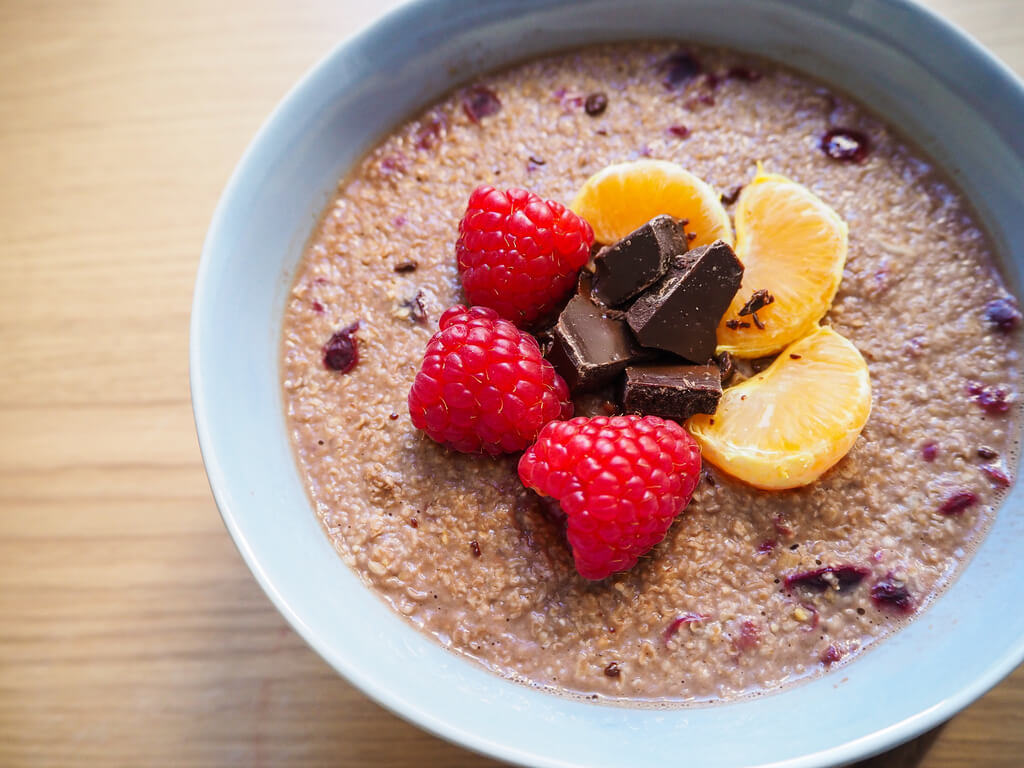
(636, 294)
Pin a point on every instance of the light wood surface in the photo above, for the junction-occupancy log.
(131, 633)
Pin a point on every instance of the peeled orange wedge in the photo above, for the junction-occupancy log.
(793, 245)
(622, 197)
(789, 424)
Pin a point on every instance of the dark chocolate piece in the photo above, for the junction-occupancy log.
(589, 349)
(638, 260)
(680, 312)
(674, 392)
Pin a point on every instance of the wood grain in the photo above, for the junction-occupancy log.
(132, 633)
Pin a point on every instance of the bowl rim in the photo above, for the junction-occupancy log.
(405, 11)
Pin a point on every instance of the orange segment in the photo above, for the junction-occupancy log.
(793, 421)
(625, 196)
(793, 245)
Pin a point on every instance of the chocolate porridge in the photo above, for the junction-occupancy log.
(750, 589)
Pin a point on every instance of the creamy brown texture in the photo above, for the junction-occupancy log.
(456, 544)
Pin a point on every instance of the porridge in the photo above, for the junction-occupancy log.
(750, 589)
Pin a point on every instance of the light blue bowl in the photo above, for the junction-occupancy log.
(962, 107)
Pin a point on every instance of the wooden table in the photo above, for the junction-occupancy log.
(131, 631)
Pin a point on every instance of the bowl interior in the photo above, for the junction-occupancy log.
(957, 103)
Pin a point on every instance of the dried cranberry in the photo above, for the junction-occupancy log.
(1003, 314)
(997, 476)
(595, 104)
(480, 102)
(474, 547)
(844, 577)
(766, 546)
(893, 593)
(744, 73)
(749, 635)
(831, 655)
(318, 307)
(781, 527)
(392, 165)
(612, 670)
(431, 130)
(341, 353)
(686, 618)
(845, 145)
(679, 69)
(679, 130)
(992, 398)
(958, 502)
(929, 451)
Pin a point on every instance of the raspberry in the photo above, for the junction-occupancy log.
(484, 386)
(621, 481)
(520, 254)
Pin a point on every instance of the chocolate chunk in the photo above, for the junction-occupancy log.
(638, 260)
(672, 391)
(680, 312)
(589, 349)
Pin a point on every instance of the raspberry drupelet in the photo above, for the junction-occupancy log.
(484, 386)
(620, 481)
(520, 254)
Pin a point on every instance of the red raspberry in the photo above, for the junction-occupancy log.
(621, 481)
(520, 254)
(484, 386)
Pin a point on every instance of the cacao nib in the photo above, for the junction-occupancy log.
(1003, 314)
(613, 670)
(730, 197)
(474, 547)
(844, 578)
(341, 353)
(680, 131)
(987, 453)
(406, 266)
(479, 102)
(759, 299)
(958, 502)
(845, 145)
(892, 593)
(726, 365)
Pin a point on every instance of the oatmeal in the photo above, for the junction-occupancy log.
(750, 589)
